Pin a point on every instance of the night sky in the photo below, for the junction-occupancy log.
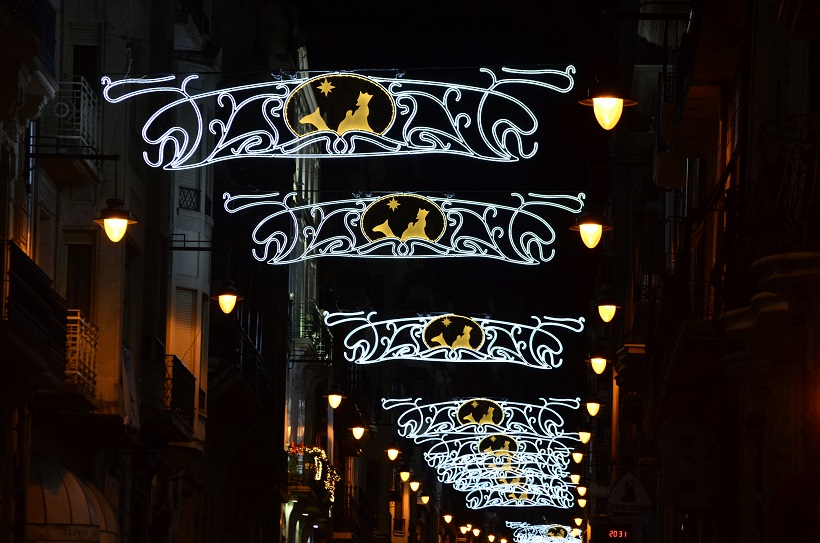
(446, 41)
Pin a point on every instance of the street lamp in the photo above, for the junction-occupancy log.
(476, 531)
(227, 295)
(577, 457)
(598, 362)
(404, 474)
(463, 530)
(584, 436)
(593, 406)
(425, 498)
(415, 484)
(448, 518)
(591, 226)
(607, 306)
(393, 451)
(335, 396)
(115, 218)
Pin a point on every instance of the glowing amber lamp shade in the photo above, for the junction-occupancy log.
(608, 109)
(582, 490)
(607, 312)
(582, 502)
(463, 529)
(448, 518)
(393, 452)
(593, 408)
(584, 436)
(575, 478)
(598, 364)
(414, 485)
(114, 219)
(577, 457)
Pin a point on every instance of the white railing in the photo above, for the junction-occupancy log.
(73, 118)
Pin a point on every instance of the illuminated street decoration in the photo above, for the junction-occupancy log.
(454, 338)
(438, 227)
(524, 532)
(356, 115)
(499, 453)
(303, 459)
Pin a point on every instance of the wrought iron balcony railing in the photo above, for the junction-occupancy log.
(30, 305)
(232, 345)
(81, 352)
(307, 323)
(189, 198)
(72, 120)
(178, 390)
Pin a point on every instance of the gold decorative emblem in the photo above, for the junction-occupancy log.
(499, 445)
(480, 411)
(403, 216)
(344, 102)
(453, 331)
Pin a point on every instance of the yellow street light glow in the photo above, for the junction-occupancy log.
(578, 521)
(582, 490)
(414, 485)
(448, 518)
(491, 537)
(582, 502)
(593, 407)
(476, 531)
(598, 364)
(425, 498)
(463, 529)
(607, 311)
(358, 431)
(393, 452)
(577, 457)
(404, 475)
(575, 478)
(584, 436)
(590, 226)
(115, 218)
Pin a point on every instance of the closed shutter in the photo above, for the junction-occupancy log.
(182, 331)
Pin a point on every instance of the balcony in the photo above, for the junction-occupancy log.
(237, 367)
(71, 128)
(311, 476)
(167, 400)
(32, 322)
(310, 337)
(355, 518)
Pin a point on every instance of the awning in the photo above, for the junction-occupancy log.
(62, 507)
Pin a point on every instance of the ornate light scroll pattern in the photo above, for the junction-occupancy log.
(372, 116)
(291, 232)
(427, 339)
(524, 532)
(499, 453)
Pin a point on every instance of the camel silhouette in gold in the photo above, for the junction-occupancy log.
(413, 230)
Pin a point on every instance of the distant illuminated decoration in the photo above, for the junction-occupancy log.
(351, 115)
(403, 226)
(454, 338)
(524, 532)
(499, 453)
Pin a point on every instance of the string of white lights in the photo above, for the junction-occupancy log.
(453, 338)
(500, 453)
(524, 532)
(466, 124)
(436, 227)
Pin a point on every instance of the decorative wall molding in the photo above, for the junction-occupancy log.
(454, 338)
(355, 115)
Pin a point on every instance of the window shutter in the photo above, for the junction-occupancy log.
(182, 331)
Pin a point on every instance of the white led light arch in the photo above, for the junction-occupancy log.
(289, 232)
(499, 453)
(466, 121)
(524, 532)
(372, 340)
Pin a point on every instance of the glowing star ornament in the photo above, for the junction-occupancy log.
(454, 338)
(354, 115)
(403, 226)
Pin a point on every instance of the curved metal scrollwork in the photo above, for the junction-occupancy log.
(535, 345)
(499, 453)
(289, 232)
(524, 532)
(382, 116)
